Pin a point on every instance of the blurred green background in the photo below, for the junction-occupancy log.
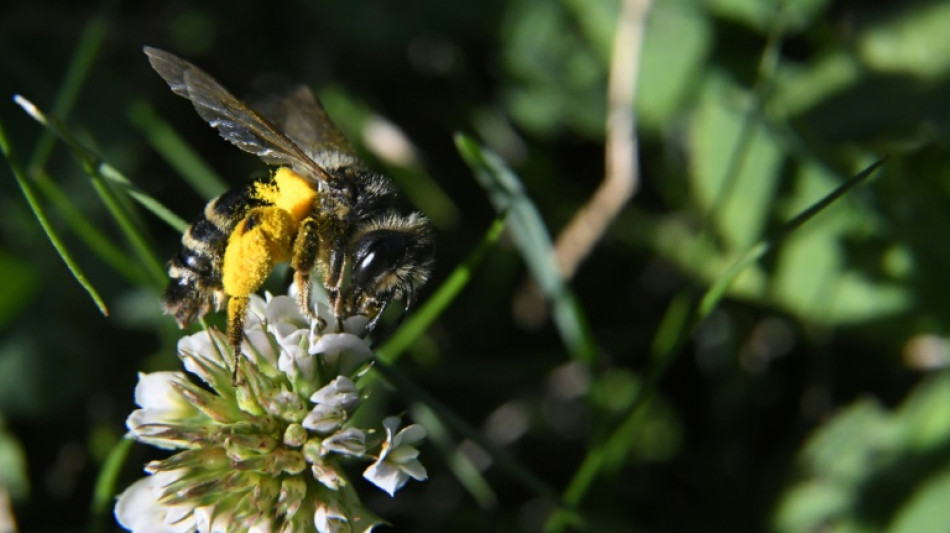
(812, 398)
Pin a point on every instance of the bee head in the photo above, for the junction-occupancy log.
(392, 258)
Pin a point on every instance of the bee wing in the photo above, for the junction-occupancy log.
(235, 121)
(297, 112)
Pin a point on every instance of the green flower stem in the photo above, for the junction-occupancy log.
(673, 333)
(128, 226)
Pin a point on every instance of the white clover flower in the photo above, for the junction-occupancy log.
(398, 459)
(334, 404)
(266, 455)
(138, 508)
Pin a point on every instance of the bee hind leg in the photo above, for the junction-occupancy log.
(237, 308)
(259, 241)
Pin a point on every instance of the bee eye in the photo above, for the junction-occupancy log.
(375, 255)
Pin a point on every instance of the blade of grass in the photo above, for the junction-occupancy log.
(150, 204)
(40, 215)
(176, 152)
(103, 495)
(419, 322)
(136, 238)
(673, 332)
(530, 235)
(97, 241)
(87, 50)
(90, 164)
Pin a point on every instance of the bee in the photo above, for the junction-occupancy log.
(322, 210)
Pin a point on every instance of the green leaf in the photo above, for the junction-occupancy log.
(915, 42)
(761, 14)
(558, 75)
(836, 460)
(598, 20)
(926, 509)
(798, 88)
(122, 183)
(675, 48)
(923, 419)
(876, 470)
(97, 241)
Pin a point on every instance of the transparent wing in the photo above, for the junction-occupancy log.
(297, 113)
(235, 121)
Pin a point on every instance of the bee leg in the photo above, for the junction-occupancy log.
(302, 280)
(379, 314)
(410, 299)
(336, 264)
(402, 316)
(365, 305)
(237, 308)
(381, 304)
(356, 300)
(257, 243)
(303, 260)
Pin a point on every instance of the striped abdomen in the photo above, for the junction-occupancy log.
(195, 271)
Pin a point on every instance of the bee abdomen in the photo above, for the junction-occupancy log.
(195, 271)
